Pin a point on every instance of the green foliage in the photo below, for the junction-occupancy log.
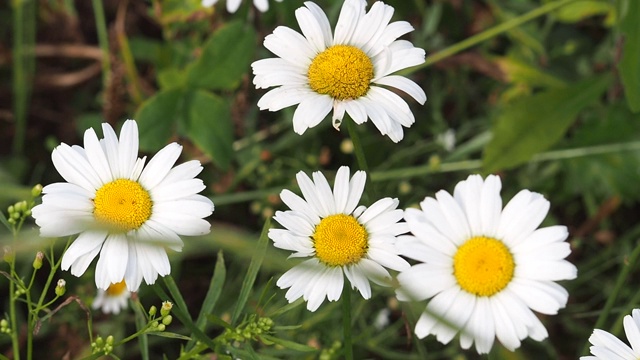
(208, 124)
(629, 68)
(225, 58)
(533, 124)
(185, 101)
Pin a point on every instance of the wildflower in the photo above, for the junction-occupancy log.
(233, 5)
(346, 71)
(338, 237)
(483, 267)
(122, 209)
(113, 299)
(606, 346)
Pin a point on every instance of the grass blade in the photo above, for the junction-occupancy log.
(215, 289)
(252, 272)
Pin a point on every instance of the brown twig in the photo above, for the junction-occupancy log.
(68, 301)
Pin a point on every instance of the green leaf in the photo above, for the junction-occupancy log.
(630, 62)
(172, 78)
(169, 335)
(225, 58)
(533, 124)
(215, 289)
(288, 344)
(156, 118)
(218, 321)
(208, 125)
(173, 11)
(252, 272)
(581, 10)
(518, 71)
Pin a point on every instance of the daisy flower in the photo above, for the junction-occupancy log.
(608, 347)
(485, 269)
(338, 238)
(122, 209)
(347, 71)
(113, 299)
(233, 5)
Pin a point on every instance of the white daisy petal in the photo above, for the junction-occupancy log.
(128, 148)
(112, 262)
(159, 166)
(404, 84)
(483, 269)
(311, 112)
(121, 209)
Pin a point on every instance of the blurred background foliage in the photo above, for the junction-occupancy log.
(545, 93)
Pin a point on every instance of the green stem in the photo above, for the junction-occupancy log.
(19, 79)
(12, 312)
(477, 164)
(346, 321)
(103, 40)
(359, 151)
(627, 266)
(54, 267)
(488, 34)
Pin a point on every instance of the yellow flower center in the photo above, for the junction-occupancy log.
(122, 204)
(483, 266)
(117, 288)
(342, 72)
(340, 240)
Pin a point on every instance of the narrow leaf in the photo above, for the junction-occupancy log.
(252, 272)
(218, 321)
(169, 335)
(288, 344)
(215, 289)
(141, 321)
(533, 124)
(630, 62)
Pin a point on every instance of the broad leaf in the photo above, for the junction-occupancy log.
(208, 125)
(156, 118)
(533, 124)
(225, 58)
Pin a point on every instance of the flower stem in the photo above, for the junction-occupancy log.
(346, 321)
(103, 40)
(359, 151)
(465, 165)
(12, 312)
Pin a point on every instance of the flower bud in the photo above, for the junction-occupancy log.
(167, 320)
(37, 262)
(152, 310)
(166, 308)
(8, 256)
(36, 190)
(60, 288)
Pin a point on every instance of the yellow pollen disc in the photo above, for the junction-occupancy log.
(117, 288)
(483, 266)
(342, 72)
(340, 240)
(122, 204)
